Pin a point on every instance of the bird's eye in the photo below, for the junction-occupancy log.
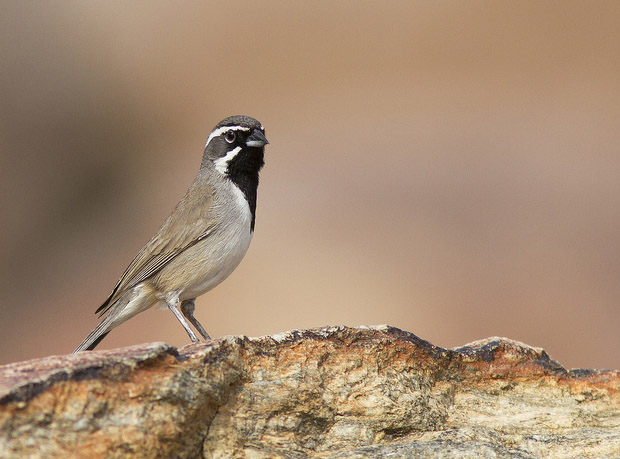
(230, 136)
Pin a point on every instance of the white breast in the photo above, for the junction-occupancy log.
(221, 252)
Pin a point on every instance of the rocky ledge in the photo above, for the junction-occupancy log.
(334, 392)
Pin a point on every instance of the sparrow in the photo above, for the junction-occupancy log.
(202, 241)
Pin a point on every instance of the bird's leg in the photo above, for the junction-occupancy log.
(173, 304)
(187, 308)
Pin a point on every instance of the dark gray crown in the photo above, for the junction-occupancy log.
(240, 120)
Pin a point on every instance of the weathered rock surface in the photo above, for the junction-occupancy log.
(327, 393)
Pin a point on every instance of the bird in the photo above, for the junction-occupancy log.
(202, 241)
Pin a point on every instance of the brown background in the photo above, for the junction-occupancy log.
(449, 168)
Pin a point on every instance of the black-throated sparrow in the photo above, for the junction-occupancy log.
(204, 238)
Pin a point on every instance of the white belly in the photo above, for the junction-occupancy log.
(225, 256)
(205, 265)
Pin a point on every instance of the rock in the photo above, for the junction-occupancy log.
(332, 393)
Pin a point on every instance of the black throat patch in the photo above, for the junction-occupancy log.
(243, 170)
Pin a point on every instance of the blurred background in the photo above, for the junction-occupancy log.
(449, 168)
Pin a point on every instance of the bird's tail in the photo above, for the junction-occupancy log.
(137, 300)
(96, 336)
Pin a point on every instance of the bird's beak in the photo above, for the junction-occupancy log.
(257, 139)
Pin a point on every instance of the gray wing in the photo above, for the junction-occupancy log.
(186, 226)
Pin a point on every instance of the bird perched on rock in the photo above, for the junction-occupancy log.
(204, 238)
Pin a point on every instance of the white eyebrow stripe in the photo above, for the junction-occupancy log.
(223, 129)
(221, 164)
